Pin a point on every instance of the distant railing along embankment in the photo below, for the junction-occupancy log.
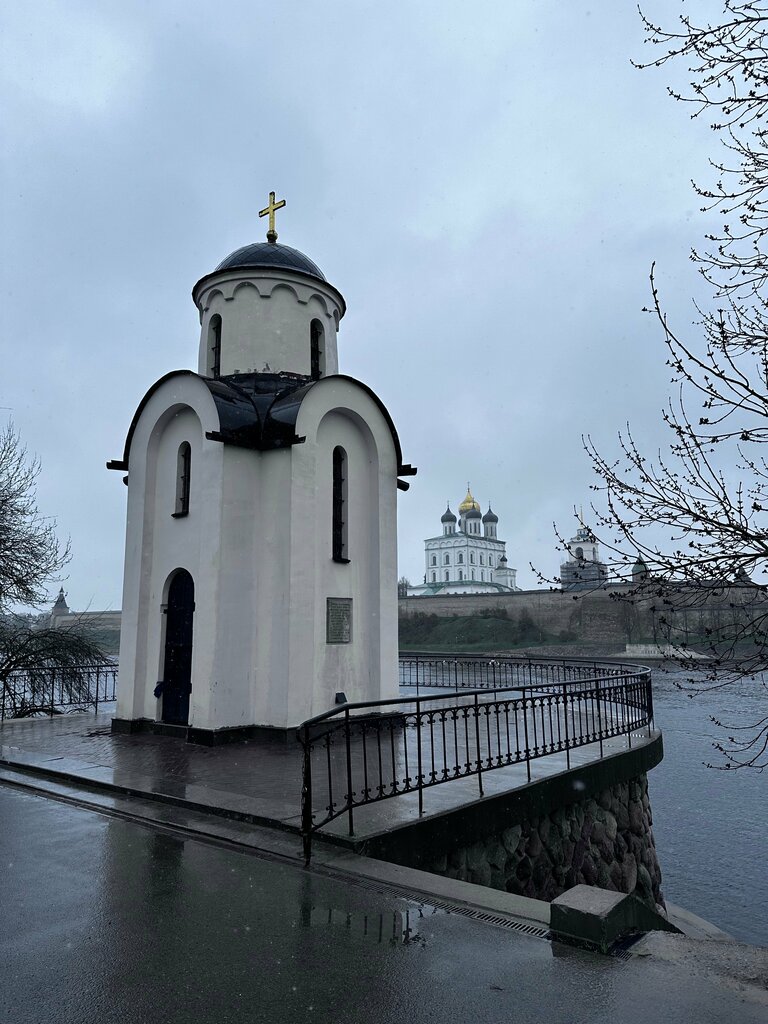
(497, 712)
(57, 691)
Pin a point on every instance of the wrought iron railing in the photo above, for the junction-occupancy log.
(360, 754)
(474, 672)
(56, 691)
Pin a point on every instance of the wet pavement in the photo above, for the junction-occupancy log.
(106, 920)
(256, 779)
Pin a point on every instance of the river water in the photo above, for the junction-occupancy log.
(710, 826)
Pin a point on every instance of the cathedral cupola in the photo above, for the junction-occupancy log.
(490, 522)
(267, 308)
(448, 519)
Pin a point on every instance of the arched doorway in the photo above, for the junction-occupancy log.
(177, 666)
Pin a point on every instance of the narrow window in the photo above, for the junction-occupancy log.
(183, 461)
(446, 576)
(482, 576)
(482, 560)
(447, 560)
(434, 559)
(461, 575)
(434, 577)
(317, 360)
(472, 557)
(461, 558)
(214, 344)
(339, 529)
(490, 559)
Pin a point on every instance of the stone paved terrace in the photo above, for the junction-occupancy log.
(260, 780)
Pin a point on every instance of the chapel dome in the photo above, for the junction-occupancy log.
(448, 516)
(268, 255)
(490, 516)
(473, 513)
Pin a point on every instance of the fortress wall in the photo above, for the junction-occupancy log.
(586, 615)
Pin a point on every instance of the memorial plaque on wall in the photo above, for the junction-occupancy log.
(338, 622)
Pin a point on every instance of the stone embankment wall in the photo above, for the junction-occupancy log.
(590, 824)
(605, 840)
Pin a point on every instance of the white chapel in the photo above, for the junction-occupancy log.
(260, 578)
(467, 556)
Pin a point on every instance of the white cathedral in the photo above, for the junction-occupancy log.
(467, 557)
(261, 547)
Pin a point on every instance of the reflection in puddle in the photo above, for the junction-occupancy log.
(394, 928)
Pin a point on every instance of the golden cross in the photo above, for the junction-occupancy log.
(269, 210)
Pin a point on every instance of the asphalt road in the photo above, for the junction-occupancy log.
(104, 920)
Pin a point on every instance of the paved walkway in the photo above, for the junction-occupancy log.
(256, 780)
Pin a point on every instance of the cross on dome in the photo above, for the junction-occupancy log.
(269, 211)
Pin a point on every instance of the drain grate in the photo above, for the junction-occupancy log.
(424, 900)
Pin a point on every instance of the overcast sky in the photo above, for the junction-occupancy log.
(487, 184)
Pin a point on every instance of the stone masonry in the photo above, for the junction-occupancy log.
(605, 840)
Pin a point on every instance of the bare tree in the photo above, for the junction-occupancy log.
(33, 657)
(689, 528)
(30, 553)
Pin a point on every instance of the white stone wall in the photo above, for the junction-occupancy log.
(257, 543)
(265, 321)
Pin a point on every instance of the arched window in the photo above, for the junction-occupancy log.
(482, 576)
(446, 575)
(214, 344)
(482, 560)
(461, 559)
(472, 557)
(580, 553)
(317, 350)
(447, 560)
(434, 577)
(339, 528)
(461, 575)
(183, 465)
(490, 559)
(434, 559)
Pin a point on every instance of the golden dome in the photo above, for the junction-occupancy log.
(468, 503)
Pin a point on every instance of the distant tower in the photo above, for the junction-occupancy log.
(639, 570)
(60, 609)
(583, 570)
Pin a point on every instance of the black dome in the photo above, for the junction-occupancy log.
(448, 516)
(473, 513)
(271, 254)
(490, 516)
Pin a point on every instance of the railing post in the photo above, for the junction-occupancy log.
(349, 770)
(565, 717)
(306, 798)
(417, 677)
(96, 702)
(599, 716)
(53, 689)
(527, 744)
(477, 740)
(419, 773)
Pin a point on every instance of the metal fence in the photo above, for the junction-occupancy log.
(361, 754)
(56, 691)
(471, 672)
